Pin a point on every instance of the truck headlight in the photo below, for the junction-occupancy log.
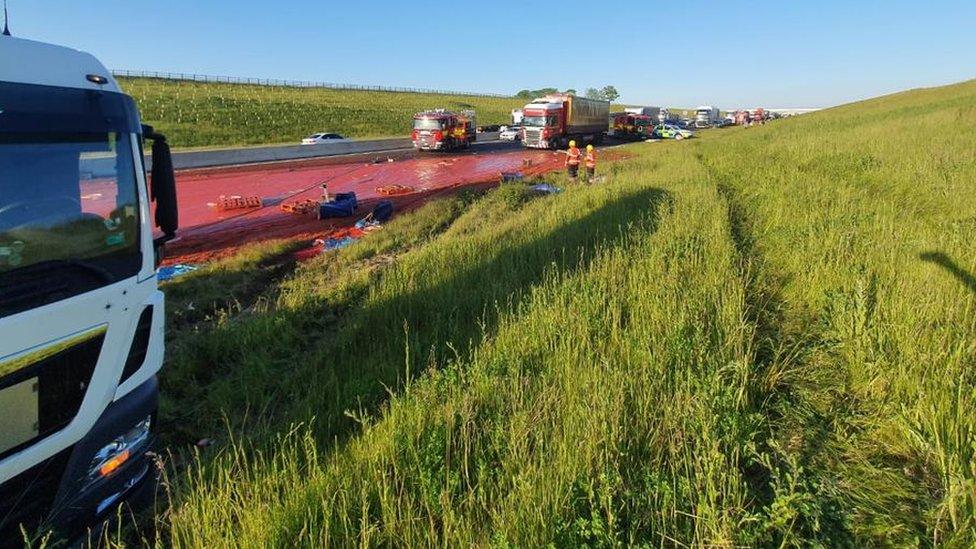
(116, 453)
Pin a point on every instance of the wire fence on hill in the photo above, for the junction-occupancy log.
(292, 83)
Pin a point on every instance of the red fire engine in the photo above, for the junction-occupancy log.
(442, 130)
(759, 116)
(629, 125)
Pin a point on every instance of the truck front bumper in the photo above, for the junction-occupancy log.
(535, 144)
(428, 145)
(84, 499)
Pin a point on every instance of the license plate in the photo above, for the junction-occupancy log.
(18, 414)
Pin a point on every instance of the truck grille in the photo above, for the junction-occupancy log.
(533, 137)
(62, 380)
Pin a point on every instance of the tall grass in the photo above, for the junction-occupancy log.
(194, 114)
(863, 217)
(763, 337)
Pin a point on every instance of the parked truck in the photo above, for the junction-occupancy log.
(443, 130)
(551, 122)
(81, 317)
(758, 116)
(707, 116)
(653, 112)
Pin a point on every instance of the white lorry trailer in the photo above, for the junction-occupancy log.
(81, 317)
(707, 116)
(517, 117)
(653, 112)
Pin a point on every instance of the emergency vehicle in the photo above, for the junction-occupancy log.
(443, 130)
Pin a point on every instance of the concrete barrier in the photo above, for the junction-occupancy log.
(185, 160)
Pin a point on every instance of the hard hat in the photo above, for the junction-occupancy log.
(572, 143)
(589, 147)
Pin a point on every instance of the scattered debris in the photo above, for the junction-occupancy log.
(546, 188)
(338, 243)
(343, 237)
(205, 442)
(511, 177)
(339, 238)
(343, 205)
(207, 233)
(389, 190)
(169, 272)
(300, 206)
(237, 202)
(381, 213)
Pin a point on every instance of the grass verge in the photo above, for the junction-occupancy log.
(762, 337)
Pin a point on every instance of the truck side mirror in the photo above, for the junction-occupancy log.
(163, 185)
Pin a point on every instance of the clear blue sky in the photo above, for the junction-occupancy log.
(773, 53)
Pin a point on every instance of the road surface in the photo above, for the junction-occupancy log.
(191, 159)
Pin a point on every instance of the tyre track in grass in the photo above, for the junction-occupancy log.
(797, 502)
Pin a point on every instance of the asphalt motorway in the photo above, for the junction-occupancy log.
(213, 158)
(354, 151)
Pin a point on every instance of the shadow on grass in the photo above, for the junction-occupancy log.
(298, 364)
(436, 322)
(944, 261)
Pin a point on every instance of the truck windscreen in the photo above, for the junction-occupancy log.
(539, 121)
(428, 124)
(69, 202)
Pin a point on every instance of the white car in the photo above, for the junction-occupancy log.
(511, 133)
(320, 138)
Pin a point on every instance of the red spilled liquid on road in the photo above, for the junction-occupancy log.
(207, 232)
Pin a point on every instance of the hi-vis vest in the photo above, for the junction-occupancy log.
(591, 159)
(573, 159)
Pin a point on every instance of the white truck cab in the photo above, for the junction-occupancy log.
(81, 317)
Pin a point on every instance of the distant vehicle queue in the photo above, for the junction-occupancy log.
(555, 120)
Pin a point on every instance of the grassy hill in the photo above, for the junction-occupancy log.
(194, 114)
(764, 337)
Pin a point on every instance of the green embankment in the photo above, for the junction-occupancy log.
(763, 337)
(200, 114)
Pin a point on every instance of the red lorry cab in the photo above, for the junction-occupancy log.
(551, 122)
